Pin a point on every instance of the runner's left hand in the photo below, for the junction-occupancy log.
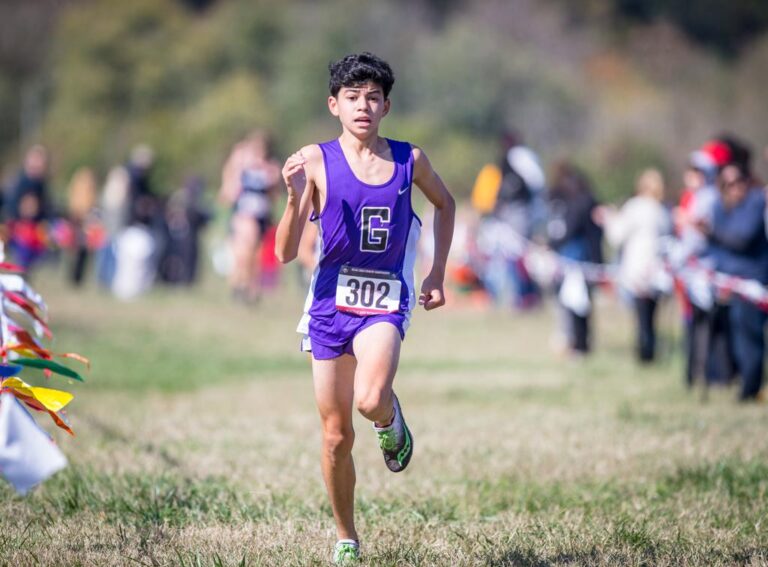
(432, 295)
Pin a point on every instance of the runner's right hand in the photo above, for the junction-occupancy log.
(294, 176)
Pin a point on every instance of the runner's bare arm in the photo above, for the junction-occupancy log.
(434, 189)
(299, 181)
(229, 180)
(274, 178)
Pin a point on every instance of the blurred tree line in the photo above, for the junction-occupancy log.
(614, 84)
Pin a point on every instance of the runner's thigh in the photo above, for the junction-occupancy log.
(377, 350)
(245, 229)
(334, 388)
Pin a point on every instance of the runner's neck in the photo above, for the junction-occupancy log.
(374, 145)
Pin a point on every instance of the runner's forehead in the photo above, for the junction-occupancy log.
(365, 88)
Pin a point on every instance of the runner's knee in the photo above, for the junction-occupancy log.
(373, 403)
(337, 442)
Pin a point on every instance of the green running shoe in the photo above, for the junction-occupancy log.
(346, 552)
(396, 441)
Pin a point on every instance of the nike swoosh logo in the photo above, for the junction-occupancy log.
(403, 190)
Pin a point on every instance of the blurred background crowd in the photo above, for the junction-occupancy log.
(702, 240)
(583, 137)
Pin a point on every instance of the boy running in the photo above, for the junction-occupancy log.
(358, 191)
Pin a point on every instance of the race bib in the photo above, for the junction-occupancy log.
(367, 292)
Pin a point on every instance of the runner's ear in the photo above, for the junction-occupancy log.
(333, 105)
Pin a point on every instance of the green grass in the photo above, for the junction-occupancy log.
(197, 445)
(632, 522)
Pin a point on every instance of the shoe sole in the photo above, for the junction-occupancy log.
(394, 465)
(408, 455)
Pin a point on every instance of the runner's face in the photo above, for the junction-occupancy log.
(360, 108)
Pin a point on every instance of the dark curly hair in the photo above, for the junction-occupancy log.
(359, 68)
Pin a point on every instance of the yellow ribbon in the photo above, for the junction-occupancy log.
(52, 400)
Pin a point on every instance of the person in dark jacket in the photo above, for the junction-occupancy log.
(185, 216)
(739, 247)
(144, 207)
(32, 182)
(27, 208)
(574, 235)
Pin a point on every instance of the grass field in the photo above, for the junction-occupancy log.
(197, 444)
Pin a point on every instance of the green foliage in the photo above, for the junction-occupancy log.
(152, 72)
(614, 175)
(724, 26)
(8, 107)
(191, 82)
(468, 89)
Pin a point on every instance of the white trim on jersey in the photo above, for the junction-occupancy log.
(303, 326)
(409, 263)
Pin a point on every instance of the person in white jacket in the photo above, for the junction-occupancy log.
(637, 230)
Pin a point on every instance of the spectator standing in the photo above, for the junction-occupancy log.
(81, 204)
(708, 345)
(28, 234)
(739, 247)
(249, 180)
(136, 247)
(697, 202)
(28, 208)
(637, 230)
(185, 217)
(32, 181)
(115, 211)
(143, 203)
(574, 235)
(510, 195)
(520, 195)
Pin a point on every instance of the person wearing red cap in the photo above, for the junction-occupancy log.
(708, 340)
(739, 247)
(719, 151)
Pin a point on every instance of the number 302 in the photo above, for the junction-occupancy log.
(365, 293)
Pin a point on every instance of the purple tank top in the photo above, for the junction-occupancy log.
(364, 226)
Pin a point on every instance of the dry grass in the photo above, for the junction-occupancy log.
(198, 443)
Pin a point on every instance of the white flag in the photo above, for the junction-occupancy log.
(28, 455)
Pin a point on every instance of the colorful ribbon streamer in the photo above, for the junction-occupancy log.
(23, 314)
(52, 400)
(49, 365)
(8, 370)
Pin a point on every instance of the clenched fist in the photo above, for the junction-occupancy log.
(294, 176)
